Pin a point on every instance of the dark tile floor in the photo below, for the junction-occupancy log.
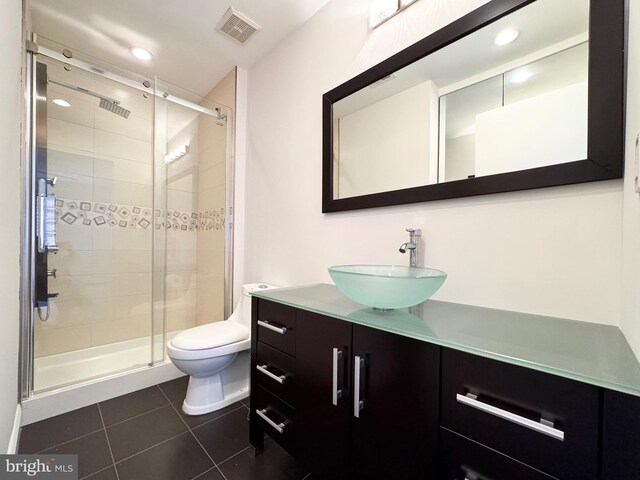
(145, 436)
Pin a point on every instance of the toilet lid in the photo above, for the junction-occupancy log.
(210, 335)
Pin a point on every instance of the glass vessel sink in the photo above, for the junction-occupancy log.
(386, 287)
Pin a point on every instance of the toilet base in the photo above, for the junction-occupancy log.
(208, 394)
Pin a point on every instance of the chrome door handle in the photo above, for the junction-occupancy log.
(358, 404)
(336, 393)
(273, 328)
(263, 414)
(278, 378)
(543, 426)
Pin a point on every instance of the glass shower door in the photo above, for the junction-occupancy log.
(95, 315)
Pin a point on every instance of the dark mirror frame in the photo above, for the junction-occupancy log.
(605, 132)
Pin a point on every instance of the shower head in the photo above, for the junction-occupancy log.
(110, 104)
(114, 107)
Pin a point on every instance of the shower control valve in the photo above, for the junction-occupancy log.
(52, 273)
(52, 181)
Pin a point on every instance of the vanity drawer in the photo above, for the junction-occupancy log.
(461, 458)
(275, 371)
(501, 405)
(276, 326)
(275, 417)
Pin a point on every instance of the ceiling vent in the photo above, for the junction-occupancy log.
(237, 25)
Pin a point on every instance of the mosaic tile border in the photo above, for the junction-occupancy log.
(114, 215)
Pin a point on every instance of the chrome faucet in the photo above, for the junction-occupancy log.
(412, 246)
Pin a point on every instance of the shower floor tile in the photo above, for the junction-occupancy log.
(145, 436)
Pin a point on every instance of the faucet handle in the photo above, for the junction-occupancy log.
(417, 232)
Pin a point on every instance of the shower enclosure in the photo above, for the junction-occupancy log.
(127, 219)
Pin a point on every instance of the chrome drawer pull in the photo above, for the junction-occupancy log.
(336, 393)
(358, 404)
(278, 378)
(263, 414)
(543, 426)
(267, 325)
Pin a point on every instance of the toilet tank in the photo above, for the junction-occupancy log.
(242, 313)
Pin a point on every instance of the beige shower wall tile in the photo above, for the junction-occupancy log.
(66, 314)
(71, 262)
(126, 193)
(120, 330)
(121, 239)
(179, 260)
(70, 135)
(185, 201)
(121, 261)
(185, 183)
(211, 241)
(135, 126)
(113, 168)
(61, 340)
(114, 145)
(213, 177)
(225, 91)
(88, 287)
(214, 137)
(180, 319)
(117, 308)
(209, 299)
(73, 237)
(62, 159)
(210, 262)
(72, 186)
(182, 241)
(211, 198)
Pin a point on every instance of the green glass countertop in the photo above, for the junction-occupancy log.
(588, 352)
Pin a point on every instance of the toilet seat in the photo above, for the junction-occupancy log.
(210, 340)
(210, 335)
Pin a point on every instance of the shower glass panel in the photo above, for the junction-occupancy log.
(102, 155)
(192, 156)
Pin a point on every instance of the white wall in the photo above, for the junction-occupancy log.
(10, 114)
(631, 233)
(533, 251)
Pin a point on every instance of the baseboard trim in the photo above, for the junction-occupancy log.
(15, 433)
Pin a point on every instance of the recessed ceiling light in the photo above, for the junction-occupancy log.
(61, 102)
(141, 53)
(506, 36)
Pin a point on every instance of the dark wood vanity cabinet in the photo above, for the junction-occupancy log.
(353, 402)
(365, 404)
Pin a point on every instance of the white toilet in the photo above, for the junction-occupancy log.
(216, 356)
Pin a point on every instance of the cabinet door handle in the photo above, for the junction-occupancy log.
(358, 404)
(273, 328)
(336, 393)
(263, 414)
(278, 378)
(543, 426)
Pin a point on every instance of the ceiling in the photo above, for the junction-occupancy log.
(188, 50)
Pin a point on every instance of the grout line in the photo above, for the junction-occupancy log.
(135, 416)
(148, 448)
(68, 441)
(189, 429)
(101, 470)
(214, 419)
(235, 455)
(222, 474)
(108, 441)
(206, 471)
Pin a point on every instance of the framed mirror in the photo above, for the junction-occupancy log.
(518, 94)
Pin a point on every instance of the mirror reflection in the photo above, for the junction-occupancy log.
(511, 96)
